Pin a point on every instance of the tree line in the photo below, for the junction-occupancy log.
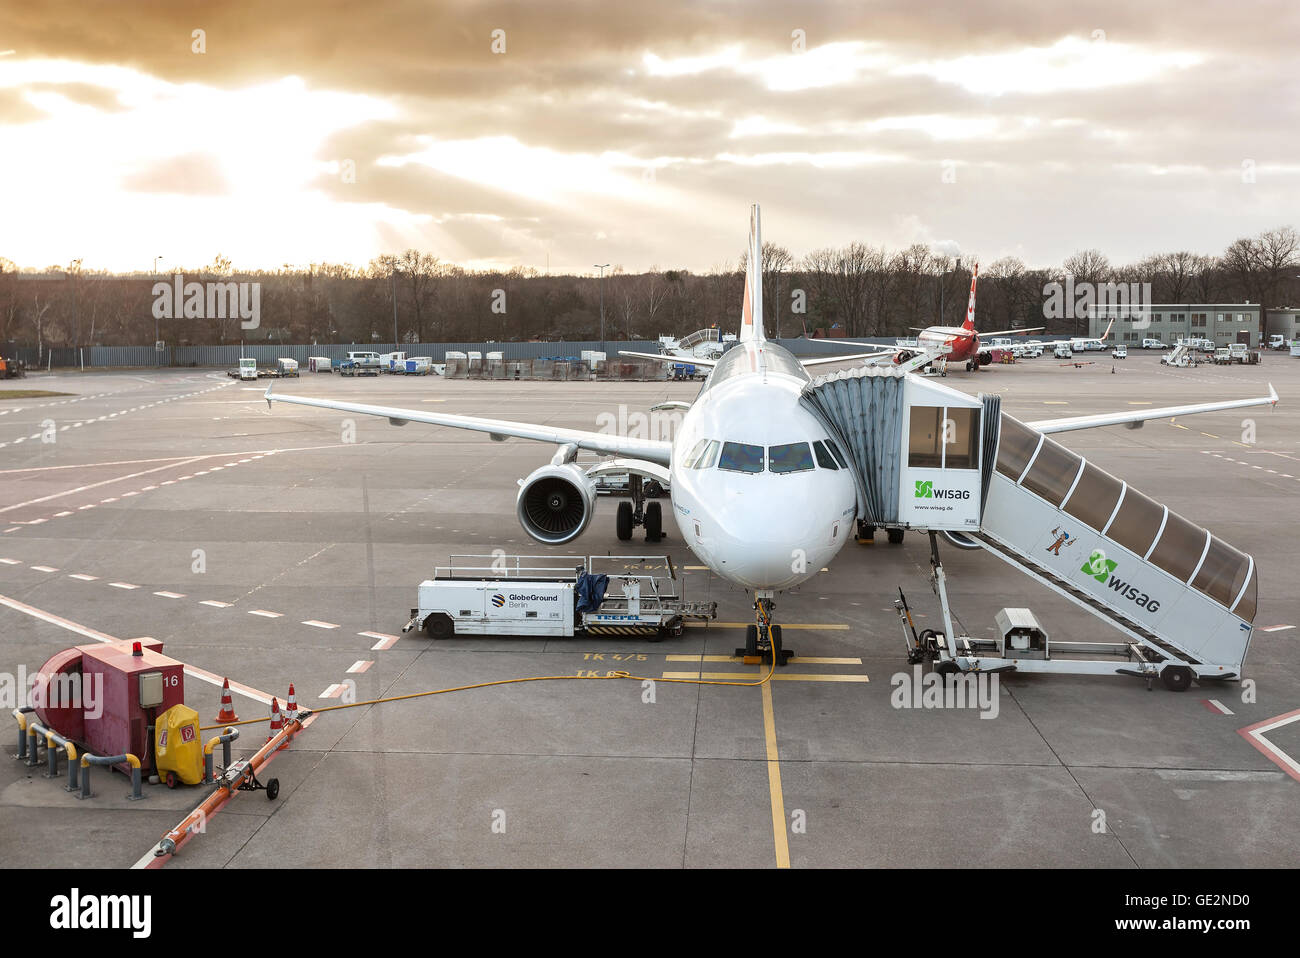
(856, 291)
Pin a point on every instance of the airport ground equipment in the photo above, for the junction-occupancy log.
(12, 368)
(929, 458)
(538, 596)
(178, 749)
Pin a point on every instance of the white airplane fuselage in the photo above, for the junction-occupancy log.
(761, 530)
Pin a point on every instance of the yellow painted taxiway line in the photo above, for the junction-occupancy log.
(797, 660)
(788, 677)
(828, 626)
(774, 782)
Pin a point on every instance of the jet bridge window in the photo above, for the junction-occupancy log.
(1223, 572)
(961, 438)
(1246, 607)
(741, 457)
(1094, 497)
(1053, 472)
(925, 435)
(791, 457)
(1179, 548)
(1016, 444)
(1137, 522)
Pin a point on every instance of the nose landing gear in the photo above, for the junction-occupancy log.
(763, 640)
(640, 513)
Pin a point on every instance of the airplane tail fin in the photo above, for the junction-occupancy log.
(751, 312)
(969, 324)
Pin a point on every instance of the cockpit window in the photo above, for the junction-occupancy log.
(697, 454)
(824, 458)
(710, 457)
(791, 457)
(741, 457)
(835, 451)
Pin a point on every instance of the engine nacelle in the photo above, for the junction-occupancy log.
(556, 503)
(984, 358)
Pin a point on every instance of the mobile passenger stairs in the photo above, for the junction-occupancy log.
(930, 458)
(555, 596)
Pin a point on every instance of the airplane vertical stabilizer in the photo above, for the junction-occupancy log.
(751, 313)
(970, 303)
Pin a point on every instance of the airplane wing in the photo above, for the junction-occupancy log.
(660, 357)
(651, 450)
(1010, 332)
(851, 357)
(1135, 419)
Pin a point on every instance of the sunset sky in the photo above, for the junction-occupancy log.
(638, 134)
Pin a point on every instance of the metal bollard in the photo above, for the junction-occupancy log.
(225, 738)
(54, 744)
(21, 715)
(32, 758)
(89, 760)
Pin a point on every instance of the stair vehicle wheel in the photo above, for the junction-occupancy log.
(895, 536)
(1177, 678)
(654, 522)
(439, 626)
(623, 521)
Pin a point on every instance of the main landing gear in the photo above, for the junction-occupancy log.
(638, 512)
(763, 640)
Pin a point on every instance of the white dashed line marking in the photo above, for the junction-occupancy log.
(265, 614)
(385, 641)
(123, 585)
(44, 568)
(359, 666)
(83, 577)
(320, 625)
(170, 595)
(215, 603)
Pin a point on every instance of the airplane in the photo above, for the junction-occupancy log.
(756, 480)
(958, 344)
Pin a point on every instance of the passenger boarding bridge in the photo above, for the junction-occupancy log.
(931, 458)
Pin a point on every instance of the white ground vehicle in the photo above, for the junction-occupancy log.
(539, 595)
(1239, 352)
(393, 362)
(1119, 352)
(418, 365)
(1277, 341)
(1153, 344)
(366, 360)
(1063, 351)
(247, 368)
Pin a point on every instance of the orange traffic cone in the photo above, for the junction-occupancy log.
(291, 706)
(277, 720)
(227, 713)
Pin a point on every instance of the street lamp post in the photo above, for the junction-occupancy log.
(157, 328)
(394, 277)
(602, 299)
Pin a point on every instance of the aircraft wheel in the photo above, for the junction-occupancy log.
(895, 536)
(1177, 678)
(654, 522)
(623, 521)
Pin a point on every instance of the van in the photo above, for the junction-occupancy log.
(365, 360)
(1063, 351)
(1119, 352)
(1153, 344)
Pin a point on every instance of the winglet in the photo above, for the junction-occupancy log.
(1272, 394)
(267, 395)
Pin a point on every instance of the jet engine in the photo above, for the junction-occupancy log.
(556, 503)
(984, 358)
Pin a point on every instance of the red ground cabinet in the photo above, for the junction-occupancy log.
(134, 690)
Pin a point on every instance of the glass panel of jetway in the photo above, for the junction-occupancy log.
(1151, 568)
(917, 447)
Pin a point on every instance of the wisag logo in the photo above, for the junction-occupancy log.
(1098, 566)
(498, 600)
(925, 490)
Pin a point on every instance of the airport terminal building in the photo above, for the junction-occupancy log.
(1169, 322)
